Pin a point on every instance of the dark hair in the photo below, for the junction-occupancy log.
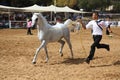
(58, 18)
(95, 12)
(30, 19)
(108, 16)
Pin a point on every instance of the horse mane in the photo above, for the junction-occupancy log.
(43, 21)
(68, 23)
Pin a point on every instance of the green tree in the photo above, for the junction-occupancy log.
(42, 2)
(21, 3)
(116, 7)
(62, 3)
(24, 3)
(93, 4)
(5, 2)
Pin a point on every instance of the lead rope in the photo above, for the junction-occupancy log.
(82, 41)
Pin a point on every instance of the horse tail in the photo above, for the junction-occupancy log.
(70, 24)
(67, 22)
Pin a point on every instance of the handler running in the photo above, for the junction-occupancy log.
(96, 26)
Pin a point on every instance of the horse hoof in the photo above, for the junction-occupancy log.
(61, 55)
(45, 61)
(33, 62)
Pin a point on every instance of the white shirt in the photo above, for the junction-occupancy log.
(107, 23)
(96, 29)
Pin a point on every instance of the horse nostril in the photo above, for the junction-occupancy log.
(36, 19)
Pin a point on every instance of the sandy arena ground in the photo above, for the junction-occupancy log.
(17, 50)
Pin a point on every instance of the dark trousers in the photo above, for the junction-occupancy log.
(29, 31)
(97, 39)
(107, 32)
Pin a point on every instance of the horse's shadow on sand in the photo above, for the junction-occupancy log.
(117, 63)
(76, 61)
(67, 61)
(73, 61)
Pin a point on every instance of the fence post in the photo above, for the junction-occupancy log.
(10, 24)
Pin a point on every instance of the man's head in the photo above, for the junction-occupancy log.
(58, 19)
(95, 15)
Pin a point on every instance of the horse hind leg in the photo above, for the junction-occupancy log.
(61, 48)
(47, 57)
(69, 44)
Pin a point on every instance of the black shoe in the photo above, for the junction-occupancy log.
(108, 48)
(87, 61)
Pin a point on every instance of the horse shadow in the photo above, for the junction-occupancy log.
(69, 61)
(106, 65)
(117, 63)
(97, 58)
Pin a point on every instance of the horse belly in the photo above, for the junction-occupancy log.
(56, 35)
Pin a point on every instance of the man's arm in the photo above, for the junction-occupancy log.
(109, 29)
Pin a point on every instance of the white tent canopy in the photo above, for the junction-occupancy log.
(34, 8)
(67, 9)
(52, 8)
(8, 9)
(37, 8)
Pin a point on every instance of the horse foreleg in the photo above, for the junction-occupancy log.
(47, 57)
(37, 51)
(61, 48)
(70, 46)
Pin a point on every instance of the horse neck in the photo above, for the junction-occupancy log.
(42, 25)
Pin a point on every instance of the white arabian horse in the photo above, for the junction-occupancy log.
(48, 33)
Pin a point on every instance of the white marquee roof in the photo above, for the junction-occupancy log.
(37, 8)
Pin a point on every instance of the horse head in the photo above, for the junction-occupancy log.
(34, 19)
(38, 19)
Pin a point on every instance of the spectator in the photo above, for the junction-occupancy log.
(108, 29)
(29, 25)
(58, 22)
